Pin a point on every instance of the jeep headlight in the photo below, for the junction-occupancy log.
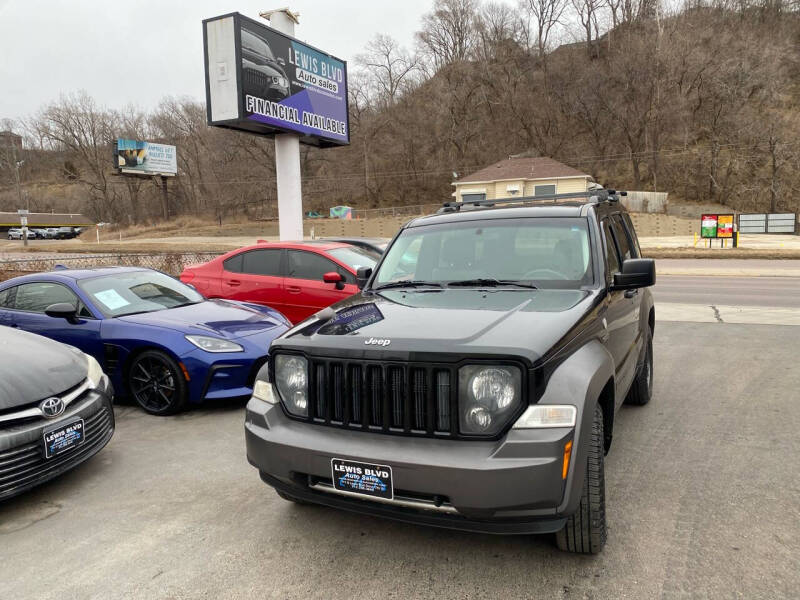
(291, 379)
(94, 372)
(487, 394)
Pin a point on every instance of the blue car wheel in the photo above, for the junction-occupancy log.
(156, 383)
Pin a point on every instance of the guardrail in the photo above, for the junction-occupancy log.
(171, 263)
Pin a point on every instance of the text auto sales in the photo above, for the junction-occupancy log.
(290, 114)
(380, 473)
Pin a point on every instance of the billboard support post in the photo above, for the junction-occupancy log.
(287, 155)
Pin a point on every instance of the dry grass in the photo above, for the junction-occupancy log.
(194, 226)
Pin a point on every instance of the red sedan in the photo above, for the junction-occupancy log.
(295, 278)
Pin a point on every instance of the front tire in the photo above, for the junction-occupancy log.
(585, 531)
(642, 387)
(156, 383)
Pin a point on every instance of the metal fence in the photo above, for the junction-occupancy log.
(767, 223)
(172, 263)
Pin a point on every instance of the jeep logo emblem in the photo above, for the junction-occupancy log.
(377, 342)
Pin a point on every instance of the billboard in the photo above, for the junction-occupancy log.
(716, 226)
(263, 81)
(146, 158)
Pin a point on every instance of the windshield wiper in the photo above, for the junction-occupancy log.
(410, 283)
(490, 282)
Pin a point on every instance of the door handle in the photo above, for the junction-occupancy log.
(631, 293)
(234, 282)
(293, 289)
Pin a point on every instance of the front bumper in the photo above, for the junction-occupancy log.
(22, 461)
(513, 485)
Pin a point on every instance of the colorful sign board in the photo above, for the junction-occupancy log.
(716, 226)
(725, 226)
(146, 158)
(263, 81)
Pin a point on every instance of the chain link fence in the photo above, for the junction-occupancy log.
(171, 263)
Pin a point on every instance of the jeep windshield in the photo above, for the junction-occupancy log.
(541, 252)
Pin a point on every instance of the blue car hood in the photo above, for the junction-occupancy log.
(220, 318)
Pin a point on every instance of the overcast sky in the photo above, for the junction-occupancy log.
(140, 51)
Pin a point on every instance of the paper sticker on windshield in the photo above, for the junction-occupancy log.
(111, 299)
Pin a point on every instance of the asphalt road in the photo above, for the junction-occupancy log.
(737, 291)
(702, 493)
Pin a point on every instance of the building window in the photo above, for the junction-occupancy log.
(544, 190)
(472, 197)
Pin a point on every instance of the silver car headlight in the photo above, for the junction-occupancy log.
(291, 379)
(213, 344)
(94, 372)
(487, 395)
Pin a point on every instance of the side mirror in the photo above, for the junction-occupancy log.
(362, 276)
(62, 310)
(636, 273)
(281, 62)
(334, 277)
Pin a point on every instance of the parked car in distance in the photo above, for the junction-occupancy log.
(65, 233)
(375, 245)
(295, 278)
(474, 380)
(159, 340)
(55, 409)
(16, 234)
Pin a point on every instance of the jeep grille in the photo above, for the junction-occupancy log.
(405, 398)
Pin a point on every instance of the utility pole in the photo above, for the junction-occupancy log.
(23, 220)
(287, 151)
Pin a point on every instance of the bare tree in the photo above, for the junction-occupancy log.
(546, 14)
(389, 68)
(448, 32)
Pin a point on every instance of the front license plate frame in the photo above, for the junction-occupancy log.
(369, 480)
(64, 437)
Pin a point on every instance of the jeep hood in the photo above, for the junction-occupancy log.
(457, 322)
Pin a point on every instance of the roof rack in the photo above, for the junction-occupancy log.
(594, 196)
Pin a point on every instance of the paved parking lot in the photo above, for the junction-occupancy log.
(703, 488)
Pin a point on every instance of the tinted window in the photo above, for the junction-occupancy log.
(4, 298)
(354, 257)
(262, 262)
(308, 265)
(626, 219)
(233, 264)
(36, 297)
(612, 258)
(623, 242)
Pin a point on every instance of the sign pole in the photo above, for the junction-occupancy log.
(287, 154)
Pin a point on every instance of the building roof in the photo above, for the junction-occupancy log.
(11, 219)
(539, 167)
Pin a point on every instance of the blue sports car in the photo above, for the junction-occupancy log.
(158, 339)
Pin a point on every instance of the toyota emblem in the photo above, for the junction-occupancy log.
(52, 407)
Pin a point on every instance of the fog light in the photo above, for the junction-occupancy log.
(479, 417)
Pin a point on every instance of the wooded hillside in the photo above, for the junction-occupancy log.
(699, 101)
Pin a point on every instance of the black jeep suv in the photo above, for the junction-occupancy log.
(473, 382)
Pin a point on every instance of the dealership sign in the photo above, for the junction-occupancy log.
(146, 158)
(263, 81)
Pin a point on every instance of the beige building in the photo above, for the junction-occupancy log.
(517, 177)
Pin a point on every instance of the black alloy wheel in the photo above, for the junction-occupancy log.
(157, 384)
